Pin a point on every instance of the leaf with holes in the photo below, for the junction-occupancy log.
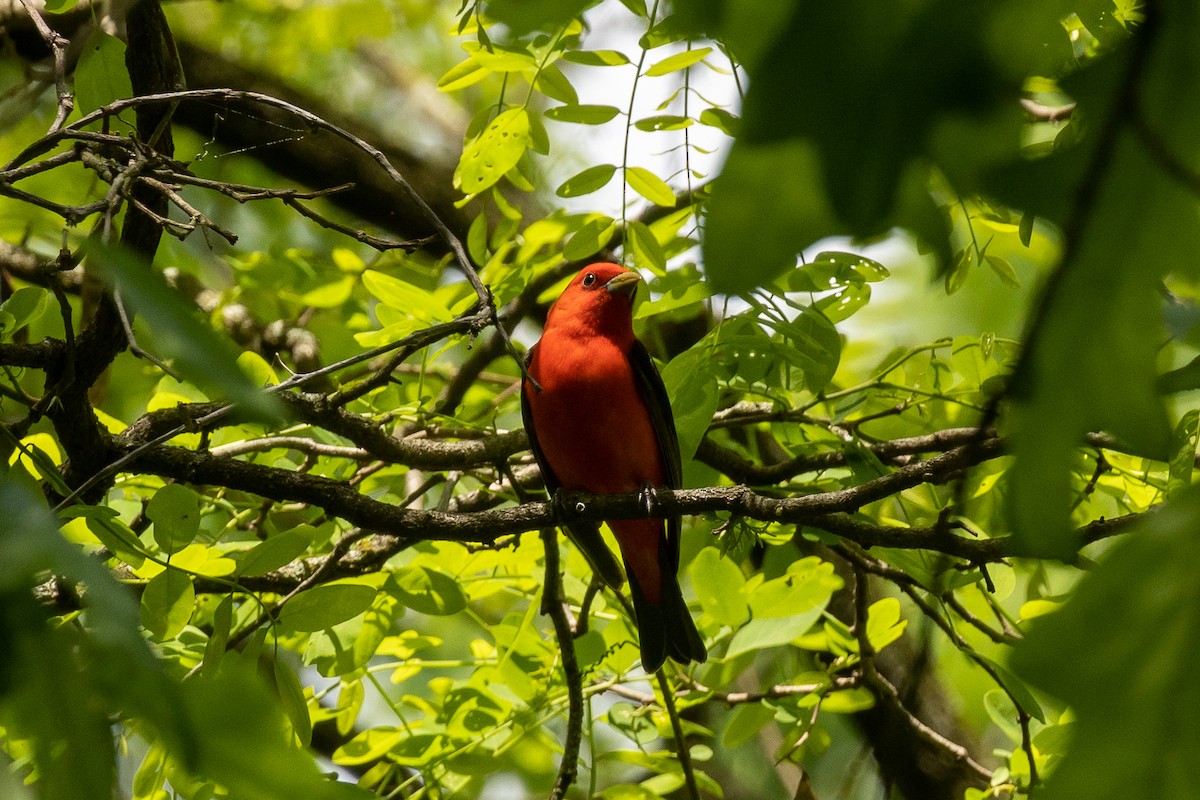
(494, 152)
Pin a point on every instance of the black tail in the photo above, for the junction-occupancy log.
(665, 628)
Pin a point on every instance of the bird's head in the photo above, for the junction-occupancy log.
(598, 300)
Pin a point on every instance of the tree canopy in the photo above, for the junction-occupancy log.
(922, 286)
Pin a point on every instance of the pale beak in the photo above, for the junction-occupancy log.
(625, 283)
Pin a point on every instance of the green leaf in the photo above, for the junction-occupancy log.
(1003, 270)
(695, 396)
(806, 587)
(813, 345)
(245, 746)
(763, 212)
(1183, 463)
(848, 701)
(368, 746)
(117, 537)
(1003, 713)
(463, 74)
(291, 695)
(650, 186)
(590, 180)
(276, 551)
(759, 634)
(1061, 391)
(477, 239)
(175, 511)
(663, 122)
(1015, 687)
(1183, 379)
(744, 723)
(204, 358)
(25, 305)
(526, 16)
(597, 58)
(590, 238)
(628, 791)
(48, 700)
(722, 120)
(330, 295)
(554, 84)
(720, 587)
(1026, 227)
(101, 77)
(885, 623)
(494, 152)
(635, 723)
(214, 648)
(678, 61)
(834, 270)
(682, 290)
(428, 591)
(1134, 694)
(167, 604)
(325, 606)
(411, 301)
(583, 114)
(645, 248)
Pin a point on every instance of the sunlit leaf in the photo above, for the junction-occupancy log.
(650, 186)
(663, 122)
(597, 58)
(590, 238)
(582, 114)
(590, 180)
(719, 118)
(720, 587)
(489, 156)
(678, 61)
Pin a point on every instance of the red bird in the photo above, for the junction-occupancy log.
(601, 422)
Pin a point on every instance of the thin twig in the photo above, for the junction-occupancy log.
(58, 45)
(552, 604)
(885, 692)
(681, 749)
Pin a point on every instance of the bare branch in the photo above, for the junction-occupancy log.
(58, 45)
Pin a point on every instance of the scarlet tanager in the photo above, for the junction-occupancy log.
(601, 422)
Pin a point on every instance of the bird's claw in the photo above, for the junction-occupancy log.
(648, 497)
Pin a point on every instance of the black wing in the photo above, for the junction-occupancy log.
(654, 394)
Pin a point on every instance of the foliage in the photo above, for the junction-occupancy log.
(295, 515)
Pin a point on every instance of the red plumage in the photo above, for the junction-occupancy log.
(601, 422)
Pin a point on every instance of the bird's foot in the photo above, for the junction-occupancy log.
(648, 497)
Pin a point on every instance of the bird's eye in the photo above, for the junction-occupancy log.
(589, 280)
